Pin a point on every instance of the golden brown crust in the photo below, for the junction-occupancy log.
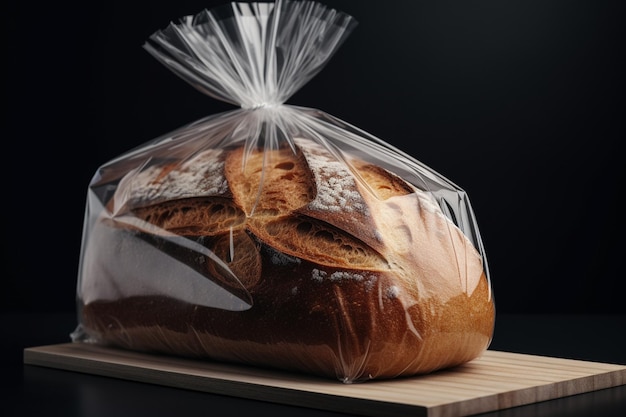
(351, 272)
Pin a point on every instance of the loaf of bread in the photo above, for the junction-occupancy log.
(290, 258)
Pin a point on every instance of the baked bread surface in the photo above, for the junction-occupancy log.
(292, 260)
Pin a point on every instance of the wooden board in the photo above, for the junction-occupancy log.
(497, 380)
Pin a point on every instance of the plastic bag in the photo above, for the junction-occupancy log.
(275, 235)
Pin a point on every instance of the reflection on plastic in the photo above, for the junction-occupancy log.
(161, 267)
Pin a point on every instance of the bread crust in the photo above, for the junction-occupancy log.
(335, 268)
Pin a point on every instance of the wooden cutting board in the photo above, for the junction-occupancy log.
(495, 381)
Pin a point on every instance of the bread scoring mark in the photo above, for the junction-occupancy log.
(268, 183)
(336, 187)
(383, 183)
(244, 263)
(316, 241)
(200, 176)
(194, 217)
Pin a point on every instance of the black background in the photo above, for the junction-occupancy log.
(519, 102)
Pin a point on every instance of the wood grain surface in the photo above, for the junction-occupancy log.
(495, 381)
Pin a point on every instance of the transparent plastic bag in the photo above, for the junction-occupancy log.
(275, 235)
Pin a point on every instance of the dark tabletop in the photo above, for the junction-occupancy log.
(38, 391)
